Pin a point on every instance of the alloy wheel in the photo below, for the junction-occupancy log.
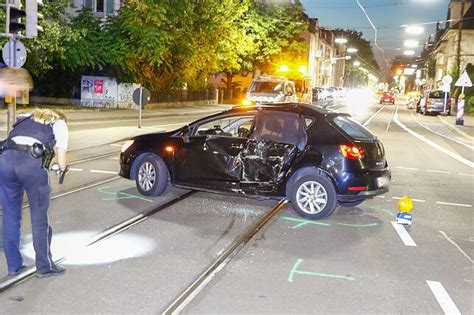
(147, 176)
(311, 197)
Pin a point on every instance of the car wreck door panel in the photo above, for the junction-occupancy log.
(211, 159)
(276, 139)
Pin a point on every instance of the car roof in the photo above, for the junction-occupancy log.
(292, 107)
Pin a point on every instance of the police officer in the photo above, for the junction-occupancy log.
(24, 164)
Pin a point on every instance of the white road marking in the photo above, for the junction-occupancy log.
(443, 297)
(440, 172)
(453, 204)
(431, 143)
(463, 174)
(367, 122)
(116, 144)
(395, 110)
(381, 197)
(102, 172)
(406, 238)
(457, 246)
(407, 168)
(114, 158)
(75, 169)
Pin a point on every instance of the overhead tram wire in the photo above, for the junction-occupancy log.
(376, 31)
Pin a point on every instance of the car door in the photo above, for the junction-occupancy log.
(276, 139)
(210, 158)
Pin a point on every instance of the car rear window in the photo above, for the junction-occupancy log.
(436, 94)
(353, 128)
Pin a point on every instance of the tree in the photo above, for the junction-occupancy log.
(365, 54)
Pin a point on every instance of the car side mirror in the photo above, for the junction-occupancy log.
(184, 133)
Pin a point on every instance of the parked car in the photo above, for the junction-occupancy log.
(387, 97)
(319, 94)
(271, 89)
(314, 157)
(433, 102)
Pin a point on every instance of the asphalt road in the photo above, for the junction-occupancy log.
(356, 261)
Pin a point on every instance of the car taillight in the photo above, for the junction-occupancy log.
(351, 151)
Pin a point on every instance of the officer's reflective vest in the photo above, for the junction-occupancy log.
(27, 127)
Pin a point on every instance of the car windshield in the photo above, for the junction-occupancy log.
(353, 128)
(266, 87)
(436, 94)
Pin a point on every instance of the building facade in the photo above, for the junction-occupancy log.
(453, 42)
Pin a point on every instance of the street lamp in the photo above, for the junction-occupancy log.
(340, 40)
(414, 29)
(356, 63)
(410, 43)
(352, 50)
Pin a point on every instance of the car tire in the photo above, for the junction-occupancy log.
(351, 203)
(313, 186)
(152, 176)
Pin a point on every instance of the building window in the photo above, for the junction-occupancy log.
(100, 6)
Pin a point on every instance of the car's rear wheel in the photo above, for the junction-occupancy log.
(313, 196)
(152, 176)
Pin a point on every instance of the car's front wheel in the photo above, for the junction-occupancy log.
(152, 176)
(313, 196)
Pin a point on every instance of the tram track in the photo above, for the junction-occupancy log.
(10, 282)
(201, 281)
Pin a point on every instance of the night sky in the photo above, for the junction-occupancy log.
(387, 15)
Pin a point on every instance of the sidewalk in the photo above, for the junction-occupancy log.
(466, 130)
(110, 114)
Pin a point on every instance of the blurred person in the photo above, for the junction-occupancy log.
(13, 81)
(24, 162)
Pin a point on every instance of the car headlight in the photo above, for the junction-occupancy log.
(126, 145)
(247, 102)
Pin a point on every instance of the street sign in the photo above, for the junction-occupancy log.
(447, 79)
(464, 80)
(145, 96)
(14, 54)
(141, 96)
(446, 87)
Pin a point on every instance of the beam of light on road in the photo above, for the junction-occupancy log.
(358, 101)
(73, 247)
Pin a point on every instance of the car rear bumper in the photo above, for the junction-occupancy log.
(363, 185)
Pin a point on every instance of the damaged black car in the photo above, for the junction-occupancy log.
(315, 158)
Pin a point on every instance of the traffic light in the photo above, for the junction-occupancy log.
(14, 18)
(32, 17)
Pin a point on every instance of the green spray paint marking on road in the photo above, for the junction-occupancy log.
(120, 195)
(302, 222)
(390, 213)
(295, 270)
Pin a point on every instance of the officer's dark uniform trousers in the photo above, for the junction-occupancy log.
(20, 172)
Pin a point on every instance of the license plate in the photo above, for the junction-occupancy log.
(382, 181)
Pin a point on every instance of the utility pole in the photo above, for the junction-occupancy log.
(458, 51)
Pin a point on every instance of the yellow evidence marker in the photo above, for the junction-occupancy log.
(405, 206)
